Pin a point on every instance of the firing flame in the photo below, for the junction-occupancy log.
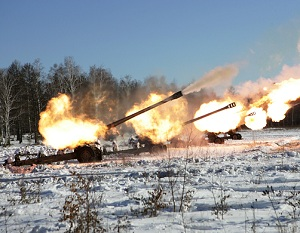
(271, 100)
(256, 121)
(286, 91)
(276, 101)
(61, 129)
(161, 123)
(220, 122)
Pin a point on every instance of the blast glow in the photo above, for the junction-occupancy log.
(274, 103)
(61, 129)
(257, 121)
(161, 123)
(288, 90)
(220, 122)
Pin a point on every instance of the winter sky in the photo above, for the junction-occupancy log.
(180, 40)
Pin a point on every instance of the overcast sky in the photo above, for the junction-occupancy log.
(181, 40)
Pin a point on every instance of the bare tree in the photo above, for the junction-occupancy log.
(128, 95)
(31, 75)
(128, 92)
(102, 93)
(158, 84)
(8, 98)
(56, 80)
(72, 76)
(38, 70)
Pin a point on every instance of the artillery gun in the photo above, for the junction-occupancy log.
(91, 152)
(213, 137)
(217, 139)
(231, 134)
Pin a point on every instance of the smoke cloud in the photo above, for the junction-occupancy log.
(288, 72)
(220, 76)
(253, 91)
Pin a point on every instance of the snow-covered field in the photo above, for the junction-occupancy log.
(251, 185)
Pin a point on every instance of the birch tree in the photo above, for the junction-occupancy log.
(9, 98)
(56, 80)
(72, 76)
(128, 93)
(102, 94)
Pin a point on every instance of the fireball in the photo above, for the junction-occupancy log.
(277, 110)
(286, 91)
(61, 129)
(161, 123)
(221, 121)
(276, 102)
(256, 121)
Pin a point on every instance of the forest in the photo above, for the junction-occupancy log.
(27, 88)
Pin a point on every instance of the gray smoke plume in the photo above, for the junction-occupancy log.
(216, 77)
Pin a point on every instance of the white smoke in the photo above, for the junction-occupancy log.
(256, 89)
(288, 72)
(220, 76)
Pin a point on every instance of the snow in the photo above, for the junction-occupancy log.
(258, 173)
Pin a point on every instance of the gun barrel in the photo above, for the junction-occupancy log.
(120, 121)
(251, 114)
(231, 105)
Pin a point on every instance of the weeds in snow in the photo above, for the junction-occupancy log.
(221, 206)
(220, 198)
(7, 216)
(81, 206)
(177, 184)
(153, 203)
(123, 224)
(291, 199)
(29, 193)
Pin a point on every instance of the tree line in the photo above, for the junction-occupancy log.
(25, 90)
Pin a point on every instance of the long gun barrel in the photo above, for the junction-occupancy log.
(231, 105)
(170, 98)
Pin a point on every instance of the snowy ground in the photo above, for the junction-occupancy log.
(250, 185)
